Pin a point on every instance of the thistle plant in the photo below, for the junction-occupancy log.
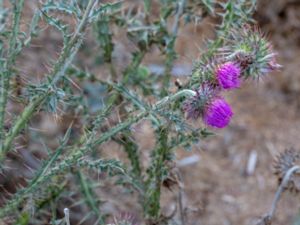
(124, 98)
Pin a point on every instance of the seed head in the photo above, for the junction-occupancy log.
(283, 162)
(252, 51)
(228, 75)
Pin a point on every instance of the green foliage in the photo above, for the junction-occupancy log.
(131, 148)
(235, 14)
(156, 174)
(90, 196)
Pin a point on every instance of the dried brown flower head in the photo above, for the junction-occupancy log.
(283, 162)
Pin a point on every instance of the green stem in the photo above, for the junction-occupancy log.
(79, 153)
(63, 62)
(181, 6)
(6, 74)
(131, 69)
(89, 196)
(32, 188)
(171, 55)
(113, 71)
(60, 66)
(125, 125)
(155, 176)
(177, 95)
(131, 149)
(20, 123)
(3, 102)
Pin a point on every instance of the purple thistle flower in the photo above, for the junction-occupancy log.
(195, 105)
(217, 113)
(228, 75)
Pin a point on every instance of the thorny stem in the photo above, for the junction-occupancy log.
(74, 158)
(113, 71)
(6, 74)
(134, 65)
(89, 196)
(21, 195)
(155, 174)
(181, 6)
(168, 99)
(60, 66)
(19, 124)
(170, 56)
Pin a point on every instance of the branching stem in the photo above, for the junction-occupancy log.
(7, 72)
(172, 55)
(58, 70)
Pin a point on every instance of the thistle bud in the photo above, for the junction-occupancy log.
(195, 105)
(208, 105)
(251, 50)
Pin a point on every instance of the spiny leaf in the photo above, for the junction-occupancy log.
(108, 8)
(59, 25)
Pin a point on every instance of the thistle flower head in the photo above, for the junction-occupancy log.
(204, 69)
(252, 51)
(228, 75)
(283, 162)
(194, 106)
(217, 113)
(208, 105)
